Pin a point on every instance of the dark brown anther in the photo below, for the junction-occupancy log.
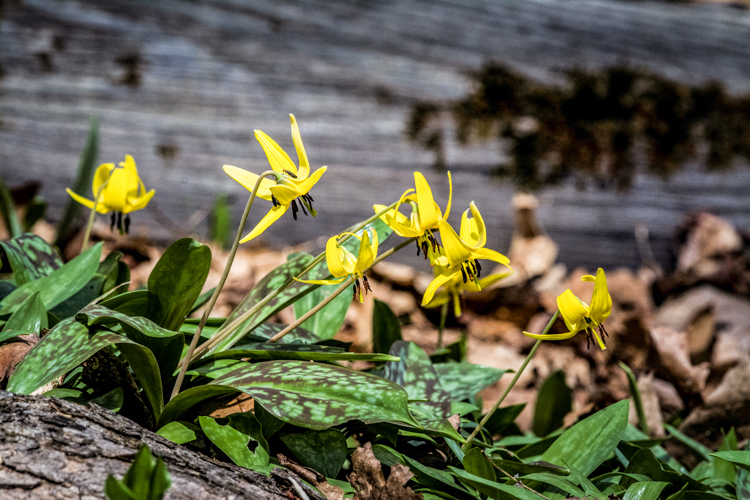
(479, 268)
(366, 284)
(463, 273)
(425, 248)
(309, 198)
(294, 209)
(302, 206)
(119, 221)
(275, 201)
(112, 219)
(127, 223)
(354, 292)
(601, 329)
(417, 247)
(588, 339)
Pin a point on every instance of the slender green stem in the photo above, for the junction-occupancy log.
(227, 329)
(441, 328)
(336, 292)
(219, 286)
(481, 424)
(87, 234)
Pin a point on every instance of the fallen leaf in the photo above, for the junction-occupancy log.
(672, 347)
(12, 353)
(368, 479)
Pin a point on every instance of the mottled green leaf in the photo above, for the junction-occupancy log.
(647, 490)
(432, 424)
(234, 437)
(265, 286)
(258, 352)
(553, 401)
(67, 345)
(263, 332)
(30, 317)
(464, 380)
(328, 321)
(135, 303)
(84, 296)
(588, 443)
(323, 451)
(177, 281)
(30, 258)
(414, 372)
(179, 432)
(387, 455)
(310, 395)
(58, 285)
(166, 345)
(385, 327)
(216, 368)
(115, 273)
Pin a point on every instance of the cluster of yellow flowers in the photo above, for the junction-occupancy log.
(455, 256)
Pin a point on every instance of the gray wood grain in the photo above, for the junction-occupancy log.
(181, 85)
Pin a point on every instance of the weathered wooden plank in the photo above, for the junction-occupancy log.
(181, 86)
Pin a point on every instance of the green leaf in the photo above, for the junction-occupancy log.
(647, 490)
(258, 352)
(323, 451)
(115, 273)
(475, 462)
(644, 462)
(553, 401)
(263, 332)
(553, 480)
(58, 285)
(220, 222)
(310, 395)
(437, 479)
(493, 488)
(147, 477)
(636, 394)
(589, 442)
(387, 455)
(82, 185)
(36, 209)
(8, 210)
(414, 372)
(216, 368)
(512, 467)
(385, 327)
(30, 258)
(67, 345)
(465, 380)
(581, 480)
(269, 283)
(177, 281)
(739, 458)
(84, 296)
(30, 317)
(135, 303)
(328, 321)
(112, 400)
(502, 418)
(234, 437)
(700, 451)
(179, 432)
(166, 345)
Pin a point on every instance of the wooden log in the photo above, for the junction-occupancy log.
(50, 448)
(181, 86)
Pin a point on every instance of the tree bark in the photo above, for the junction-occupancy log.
(54, 449)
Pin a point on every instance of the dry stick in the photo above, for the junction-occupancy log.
(517, 481)
(478, 428)
(227, 330)
(336, 292)
(217, 290)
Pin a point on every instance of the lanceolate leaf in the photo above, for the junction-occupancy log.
(30, 258)
(177, 281)
(233, 438)
(588, 443)
(58, 285)
(414, 372)
(264, 352)
(265, 286)
(739, 458)
(310, 395)
(326, 322)
(263, 332)
(385, 327)
(465, 380)
(67, 345)
(30, 317)
(164, 344)
(553, 401)
(646, 490)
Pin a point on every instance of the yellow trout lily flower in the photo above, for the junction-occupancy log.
(292, 183)
(462, 253)
(119, 190)
(423, 219)
(343, 264)
(456, 286)
(580, 316)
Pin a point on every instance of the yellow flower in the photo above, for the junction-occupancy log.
(343, 264)
(462, 253)
(424, 216)
(292, 183)
(119, 190)
(456, 286)
(579, 316)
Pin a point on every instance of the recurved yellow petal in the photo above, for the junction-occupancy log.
(271, 217)
(488, 254)
(428, 212)
(277, 157)
(323, 282)
(572, 310)
(306, 185)
(86, 202)
(138, 202)
(101, 175)
(439, 281)
(601, 302)
(551, 336)
(473, 231)
(248, 180)
(304, 165)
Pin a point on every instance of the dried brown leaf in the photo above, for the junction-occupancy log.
(369, 481)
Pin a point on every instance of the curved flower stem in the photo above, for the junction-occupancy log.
(87, 234)
(336, 293)
(481, 424)
(441, 328)
(227, 329)
(219, 286)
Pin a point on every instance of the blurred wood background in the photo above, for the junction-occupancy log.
(181, 85)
